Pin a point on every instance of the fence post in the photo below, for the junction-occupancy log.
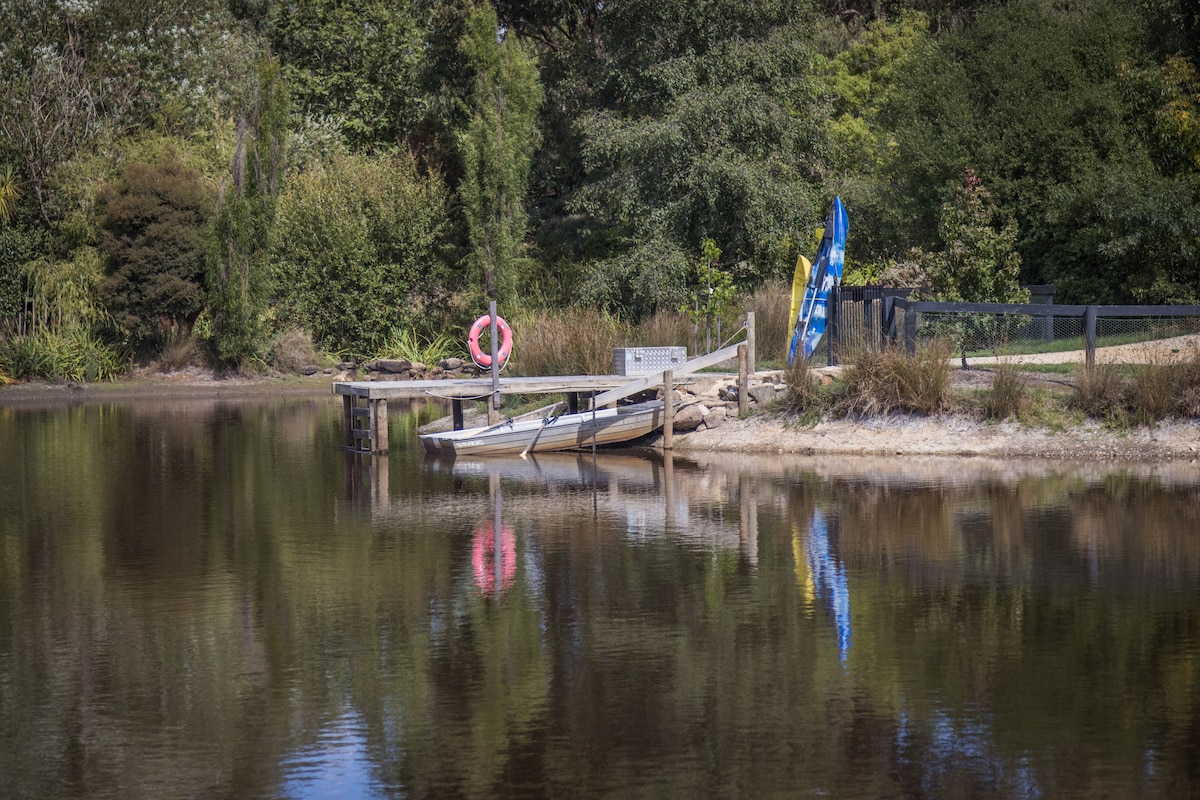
(910, 330)
(888, 323)
(1089, 336)
(835, 329)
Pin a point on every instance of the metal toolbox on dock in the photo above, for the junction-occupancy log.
(646, 360)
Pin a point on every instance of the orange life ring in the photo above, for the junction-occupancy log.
(481, 358)
(483, 558)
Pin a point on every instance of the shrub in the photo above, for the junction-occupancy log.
(354, 250)
(152, 236)
(892, 379)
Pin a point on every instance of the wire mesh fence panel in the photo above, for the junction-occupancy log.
(981, 334)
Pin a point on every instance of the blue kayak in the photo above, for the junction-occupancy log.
(826, 274)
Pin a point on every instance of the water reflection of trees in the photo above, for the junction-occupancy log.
(195, 608)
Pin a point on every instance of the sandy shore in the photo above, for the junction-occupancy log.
(762, 432)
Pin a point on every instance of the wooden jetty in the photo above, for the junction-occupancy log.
(364, 403)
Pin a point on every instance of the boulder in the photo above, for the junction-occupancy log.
(309, 369)
(687, 419)
(715, 417)
(392, 365)
(763, 393)
(451, 364)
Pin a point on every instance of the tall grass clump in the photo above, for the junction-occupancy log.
(892, 379)
(806, 395)
(1141, 394)
(571, 341)
(1101, 392)
(405, 344)
(70, 354)
(180, 349)
(1008, 396)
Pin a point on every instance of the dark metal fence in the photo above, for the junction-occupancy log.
(872, 316)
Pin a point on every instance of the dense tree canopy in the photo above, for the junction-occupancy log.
(646, 128)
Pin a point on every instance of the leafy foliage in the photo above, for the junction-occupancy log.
(152, 235)
(980, 263)
(713, 129)
(353, 63)
(354, 251)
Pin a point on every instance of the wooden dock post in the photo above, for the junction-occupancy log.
(743, 382)
(750, 342)
(668, 409)
(364, 428)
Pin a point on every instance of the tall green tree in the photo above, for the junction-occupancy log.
(497, 147)
(237, 256)
(1032, 95)
(709, 124)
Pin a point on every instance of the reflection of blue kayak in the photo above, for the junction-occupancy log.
(809, 324)
(829, 579)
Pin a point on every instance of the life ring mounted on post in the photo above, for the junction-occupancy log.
(484, 323)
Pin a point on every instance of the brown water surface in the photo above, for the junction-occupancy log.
(209, 599)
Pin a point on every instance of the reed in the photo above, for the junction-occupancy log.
(773, 330)
(666, 329)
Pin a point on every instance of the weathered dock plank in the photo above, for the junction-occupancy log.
(478, 388)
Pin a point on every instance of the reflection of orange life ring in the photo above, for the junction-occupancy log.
(485, 323)
(483, 558)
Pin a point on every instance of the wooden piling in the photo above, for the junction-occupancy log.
(743, 382)
(668, 409)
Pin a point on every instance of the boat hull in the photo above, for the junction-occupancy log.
(567, 432)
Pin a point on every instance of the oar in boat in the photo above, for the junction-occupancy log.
(546, 421)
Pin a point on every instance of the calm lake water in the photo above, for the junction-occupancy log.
(205, 599)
